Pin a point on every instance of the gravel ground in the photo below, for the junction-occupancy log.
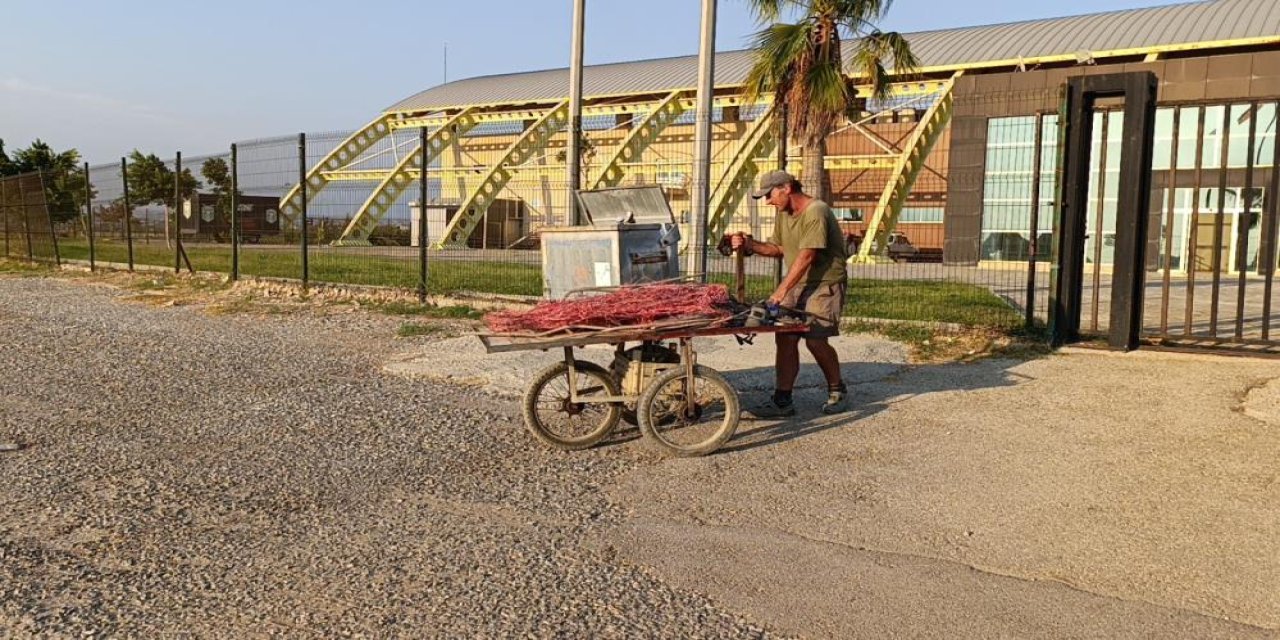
(264, 475)
(246, 476)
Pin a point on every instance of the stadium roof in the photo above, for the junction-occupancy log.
(1194, 25)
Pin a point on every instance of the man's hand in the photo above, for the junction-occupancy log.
(739, 240)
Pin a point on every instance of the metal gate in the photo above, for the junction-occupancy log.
(1168, 219)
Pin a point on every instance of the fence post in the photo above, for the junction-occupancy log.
(128, 210)
(422, 218)
(5, 211)
(782, 166)
(88, 210)
(26, 219)
(177, 213)
(302, 182)
(235, 216)
(1037, 159)
(48, 213)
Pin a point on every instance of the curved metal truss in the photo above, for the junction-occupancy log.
(645, 134)
(341, 156)
(741, 171)
(473, 208)
(394, 183)
(875, 244)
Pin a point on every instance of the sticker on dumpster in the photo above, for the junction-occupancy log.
(604, 274)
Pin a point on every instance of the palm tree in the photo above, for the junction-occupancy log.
(801, 65)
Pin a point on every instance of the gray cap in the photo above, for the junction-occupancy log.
(770, 180)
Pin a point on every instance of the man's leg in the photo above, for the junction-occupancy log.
(827, 305)
(827, 358)
(786, 368)
(786, 361)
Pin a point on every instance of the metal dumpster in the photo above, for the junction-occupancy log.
(632, 238)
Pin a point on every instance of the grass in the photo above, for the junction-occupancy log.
(445, 276)
(448, 312)
(910, 300)
(411, 329)
(22, 267)
(933, 344)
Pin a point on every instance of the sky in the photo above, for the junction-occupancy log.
(109, 77)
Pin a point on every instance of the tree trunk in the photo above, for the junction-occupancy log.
(815, 179)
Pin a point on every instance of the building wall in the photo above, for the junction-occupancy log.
(978, 98)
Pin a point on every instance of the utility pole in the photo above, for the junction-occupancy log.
(573, 158)
(702, 142)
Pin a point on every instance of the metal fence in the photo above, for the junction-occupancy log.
(242, 230)
(28, 220)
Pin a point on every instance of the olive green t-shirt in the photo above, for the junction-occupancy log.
(813, 228)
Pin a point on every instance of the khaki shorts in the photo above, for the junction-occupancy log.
(825, 302)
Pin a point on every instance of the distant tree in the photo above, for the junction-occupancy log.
(218, 176)
(6, 165)
(64, 183)
(151, 182)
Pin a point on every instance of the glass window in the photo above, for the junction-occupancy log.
(921, 214)
(1264, 148)
(1008, 184)
(1214, 123)
(846, 214)
(1162, 154)
(1188, 126)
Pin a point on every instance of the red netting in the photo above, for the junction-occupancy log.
(628, 306)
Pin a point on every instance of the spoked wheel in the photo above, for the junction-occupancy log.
(561, 423)
(688, 426)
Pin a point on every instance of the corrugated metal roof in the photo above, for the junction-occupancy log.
(1180, 24)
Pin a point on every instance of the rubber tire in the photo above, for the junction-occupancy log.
(561, 370)
(705, 375)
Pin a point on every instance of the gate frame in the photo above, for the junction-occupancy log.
(1132, 208)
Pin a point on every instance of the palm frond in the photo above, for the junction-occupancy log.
(826, 98)
(767, 11)
(777, 47)
(874, 52)
(859, 11)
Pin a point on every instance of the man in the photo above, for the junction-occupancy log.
(808, 239)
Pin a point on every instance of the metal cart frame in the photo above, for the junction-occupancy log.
(684, 375)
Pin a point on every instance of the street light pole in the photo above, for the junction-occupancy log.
(702, 138)
(573, 158)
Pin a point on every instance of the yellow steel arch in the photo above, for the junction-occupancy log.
(638, 140)
(395, 182)
(472, 210)
(903, 178)
(740, 173)
(341, 156)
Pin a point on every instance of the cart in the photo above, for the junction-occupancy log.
(684, 408)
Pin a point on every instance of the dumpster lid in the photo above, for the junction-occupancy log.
(614, 208)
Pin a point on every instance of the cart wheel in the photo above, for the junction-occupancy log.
(683, 428)
(567, 425)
